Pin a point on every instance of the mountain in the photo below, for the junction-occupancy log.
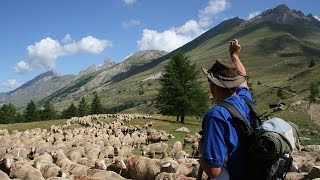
(277, 48)
(283, 15)
(93, 68)
(36, 89)
(44, 77)
(88, 83)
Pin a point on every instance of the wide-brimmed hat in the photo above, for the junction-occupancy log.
(224, 74)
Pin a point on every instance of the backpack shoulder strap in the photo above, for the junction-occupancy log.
(237, 117)
(255, 117)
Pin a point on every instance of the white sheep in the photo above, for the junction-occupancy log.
(48, 169)
(103, 164)
(23, 170)
(106, 152)
(4, 176)
(138, 167)
(103, 175)
(172, 176)
(177, 146)
(155, 148)
(68, 166)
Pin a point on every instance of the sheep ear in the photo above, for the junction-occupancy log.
(7, 163)
(167, 165)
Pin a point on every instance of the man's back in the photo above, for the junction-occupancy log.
(225, 144)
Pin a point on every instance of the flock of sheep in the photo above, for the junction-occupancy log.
(94, 150)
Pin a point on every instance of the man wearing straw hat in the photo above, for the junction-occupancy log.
(223, 145)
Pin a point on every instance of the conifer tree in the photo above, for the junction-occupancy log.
(70, 112)
(48, 112)
(31, 113)
(314, 92)
(7, 114)
(181, 92)
(83, 108)
(96, 106)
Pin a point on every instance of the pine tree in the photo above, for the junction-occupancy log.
(83, 108)
(181, 92)
(70, 112)
(96, 107)
(312, 63)
(8, 114)
(31, 113)
(280, 94)
(48, 112)
(314, 92)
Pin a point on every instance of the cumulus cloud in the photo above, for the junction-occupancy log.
(67, 39)
(43, 54)
(10, 83)
(175, 37)
(88, 44)
(129, 2)
(21, 67)
(214, 7)
(253, 14)
(317, 17)
(131, 22)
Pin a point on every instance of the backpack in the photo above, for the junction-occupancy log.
(270, 143)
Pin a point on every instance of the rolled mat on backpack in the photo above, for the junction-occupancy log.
(270, 145)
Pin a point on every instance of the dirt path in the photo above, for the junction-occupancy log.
(314, 111)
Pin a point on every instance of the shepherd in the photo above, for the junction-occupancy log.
(223, 146)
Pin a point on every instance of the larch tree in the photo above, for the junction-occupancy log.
(31, 113)
(83, 108)
(96, 106)
(181, 92)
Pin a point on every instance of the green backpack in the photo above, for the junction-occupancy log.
(270, 143)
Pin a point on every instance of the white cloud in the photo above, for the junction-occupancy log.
(131, 22)
(43, 54)
(129, 2)
(253, 14)
(67, 39)
(165, 41)
(21, 67)
(88, 44)
(317, 17)
(175, 37)
(214, 7)
(11, 83)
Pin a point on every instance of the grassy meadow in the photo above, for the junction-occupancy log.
(168, 123)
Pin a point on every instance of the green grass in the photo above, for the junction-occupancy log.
(31, 125)
(169, 124)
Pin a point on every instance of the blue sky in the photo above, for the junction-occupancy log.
(70, 35)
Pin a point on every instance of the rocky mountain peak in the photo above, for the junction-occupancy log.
(108, 62)
(46, 76)
(282, 14)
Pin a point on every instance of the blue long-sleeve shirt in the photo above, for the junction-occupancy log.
(222, 142)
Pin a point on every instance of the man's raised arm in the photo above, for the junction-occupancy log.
(234, 49)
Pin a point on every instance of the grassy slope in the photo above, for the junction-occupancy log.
(273, 56)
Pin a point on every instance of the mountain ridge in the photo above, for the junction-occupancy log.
(272, 41)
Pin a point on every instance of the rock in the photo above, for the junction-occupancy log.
(311, 148)
(305, 139)
(182, 129)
